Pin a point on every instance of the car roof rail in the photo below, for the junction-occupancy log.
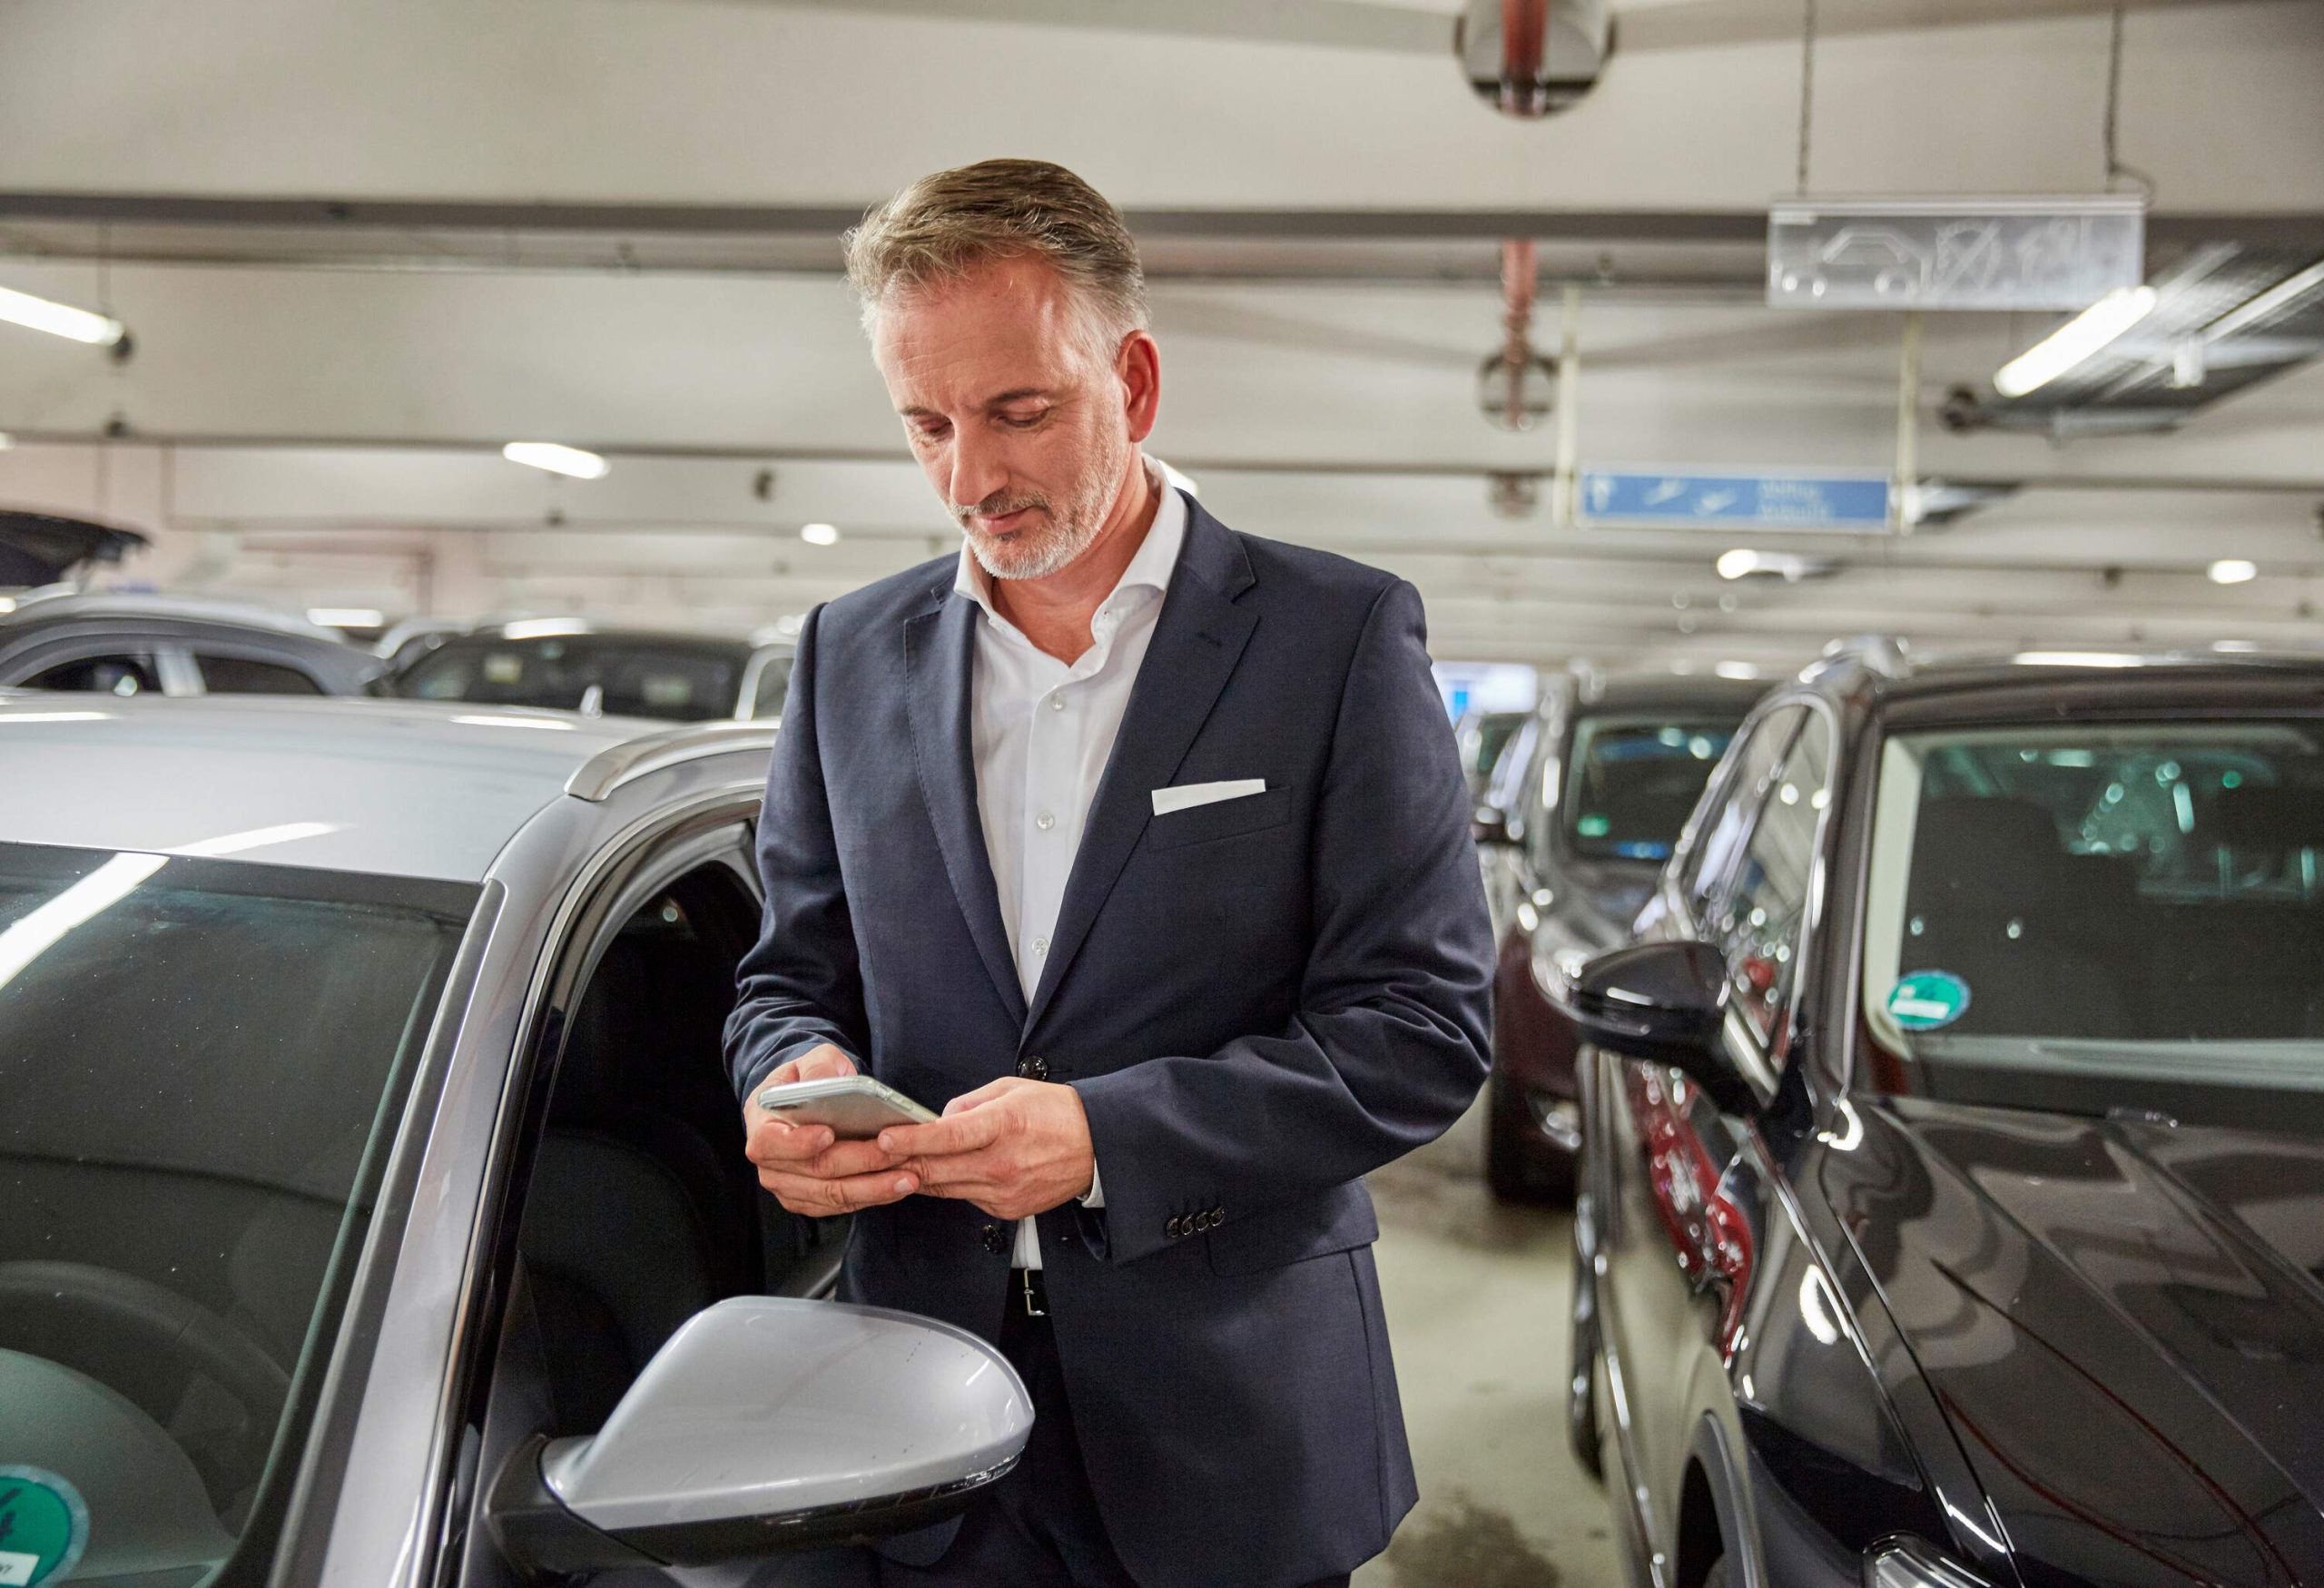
(1887, 654)
(596, 778)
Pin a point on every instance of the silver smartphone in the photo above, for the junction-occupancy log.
(855, 1106)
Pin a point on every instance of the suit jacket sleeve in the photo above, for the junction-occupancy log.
(800, 985)
(1390, 1042)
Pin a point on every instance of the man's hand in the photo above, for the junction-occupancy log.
(1015, 1147)
(807, 1170)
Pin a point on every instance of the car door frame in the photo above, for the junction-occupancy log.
(374, 1494)
(1650, 1504)
(715, 831)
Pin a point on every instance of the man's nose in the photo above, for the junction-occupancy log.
(978, 468)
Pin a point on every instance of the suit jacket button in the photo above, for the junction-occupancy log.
(1210, 1219)
(994, 1241)
(1176, 1227)
(1033, 1066)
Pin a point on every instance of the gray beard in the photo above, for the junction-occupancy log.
(1076, 529)
(1054, 556)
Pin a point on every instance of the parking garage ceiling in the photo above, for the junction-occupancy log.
(361, 246)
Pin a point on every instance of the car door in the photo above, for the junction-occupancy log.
(103, 669)
(1659, 1149)
(629, 1207)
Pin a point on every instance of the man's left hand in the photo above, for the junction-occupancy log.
(1015, 1147)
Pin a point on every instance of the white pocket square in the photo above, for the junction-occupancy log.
(1187, 796)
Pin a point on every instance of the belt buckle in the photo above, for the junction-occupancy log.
(1033, 1307)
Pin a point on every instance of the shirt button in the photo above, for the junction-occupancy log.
(1057, 702)
(1045, 821)
(1040, 945)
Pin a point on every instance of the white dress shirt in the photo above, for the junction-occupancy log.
(1041, 730)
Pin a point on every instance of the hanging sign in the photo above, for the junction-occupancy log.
(2061, 255)
(1727, 501)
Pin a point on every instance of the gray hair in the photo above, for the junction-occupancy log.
(941, 227)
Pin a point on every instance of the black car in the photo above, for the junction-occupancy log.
(1588, 799)
(570, 664)
(1953, 1206)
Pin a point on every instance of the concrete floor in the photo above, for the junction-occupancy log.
(1477, 1310)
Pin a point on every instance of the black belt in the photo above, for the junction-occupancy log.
(1029, 1296)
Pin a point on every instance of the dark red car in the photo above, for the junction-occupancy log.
(1584, 807)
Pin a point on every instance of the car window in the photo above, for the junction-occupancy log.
(241, 676)
(201, 1064)
(1720, 837)
(1760, 915)
(1635, 780)
(679, 680)
(2082, 916)
(121, 673)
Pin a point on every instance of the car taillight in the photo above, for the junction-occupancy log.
(1705, 1226)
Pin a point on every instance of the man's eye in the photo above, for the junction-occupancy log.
(929, 432)
(1024, 422)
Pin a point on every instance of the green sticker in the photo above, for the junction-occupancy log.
(43, 1527)
(1594, 826)
(1926, 999)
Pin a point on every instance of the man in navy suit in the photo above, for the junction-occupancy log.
(1138, 847)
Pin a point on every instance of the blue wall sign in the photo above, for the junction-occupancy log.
(1793, 501)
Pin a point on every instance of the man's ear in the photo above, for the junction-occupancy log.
(1138, 363)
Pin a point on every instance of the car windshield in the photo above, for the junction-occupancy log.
(678, 680)
(2103, 917)
(201, 1064)
(1636, 780)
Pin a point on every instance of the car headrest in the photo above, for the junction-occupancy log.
(2270, 818)
(1971, 850)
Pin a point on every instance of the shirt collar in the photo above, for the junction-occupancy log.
(1150, 568)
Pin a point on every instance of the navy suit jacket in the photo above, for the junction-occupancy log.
(1258, 1000)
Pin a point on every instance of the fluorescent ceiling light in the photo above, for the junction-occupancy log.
(347, 616)
(819, 534)
(55, 716)
(557, 459)
(2280, 296)
(544, 628)
(2075, 659)
(7, 603)
(2078, 339)
(2233, 570)
(1742, 562)
(2235, 647)
(1739, 670)
(59, 319)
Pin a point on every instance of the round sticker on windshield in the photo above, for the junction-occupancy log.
(43, 1527)
(1926, 999)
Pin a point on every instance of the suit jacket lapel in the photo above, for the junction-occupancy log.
(939, 660)
(1198, 636)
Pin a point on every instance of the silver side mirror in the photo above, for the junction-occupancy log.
(767, 1425)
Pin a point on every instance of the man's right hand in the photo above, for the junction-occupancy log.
(809, 1171)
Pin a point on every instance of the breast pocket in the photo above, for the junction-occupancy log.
(1220, 818)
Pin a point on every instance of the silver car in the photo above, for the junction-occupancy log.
(372, 1204)
(125, 642)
